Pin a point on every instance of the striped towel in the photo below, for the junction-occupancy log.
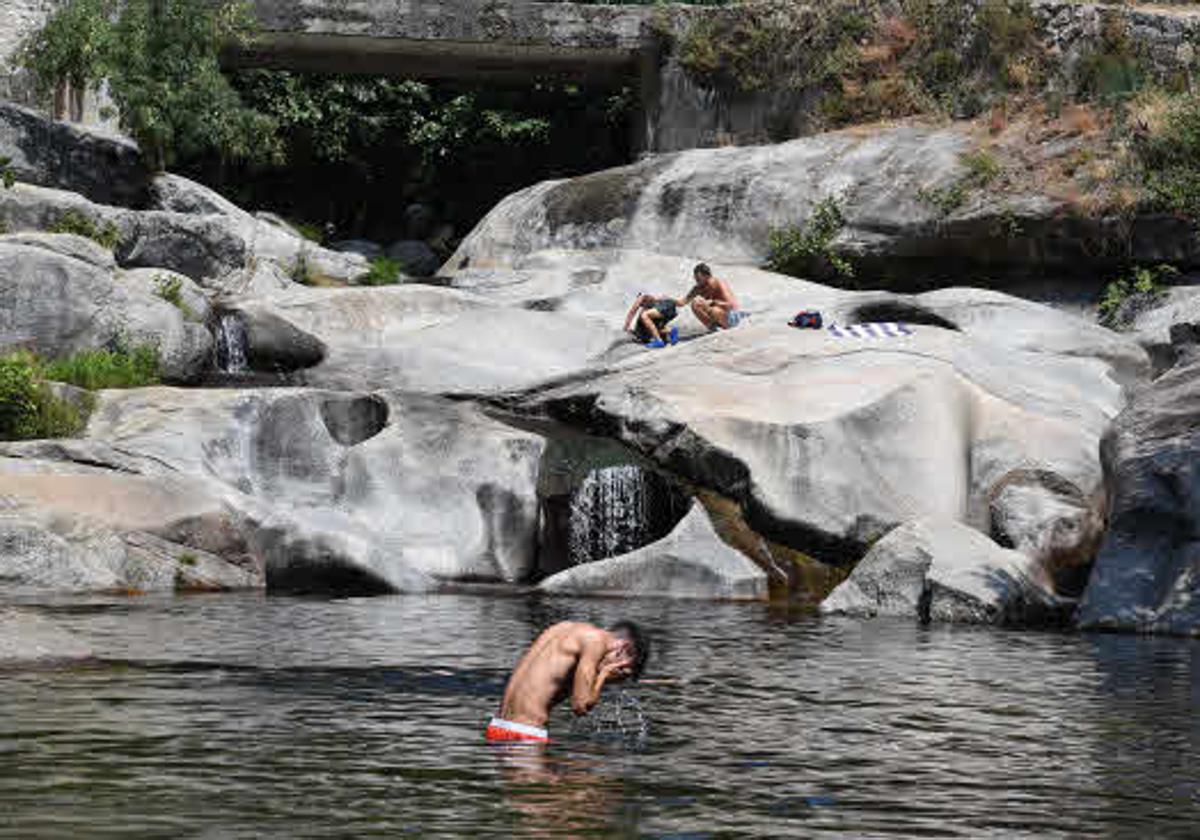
(881, 330)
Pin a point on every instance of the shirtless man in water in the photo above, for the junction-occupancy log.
(569, 659)
(713, 302)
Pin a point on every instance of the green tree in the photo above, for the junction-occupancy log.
(70, 50)
(166, 80)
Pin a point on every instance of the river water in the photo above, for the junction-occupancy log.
(247, 716)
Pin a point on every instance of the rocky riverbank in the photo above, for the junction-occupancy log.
(958, 454)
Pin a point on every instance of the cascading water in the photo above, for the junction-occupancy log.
(618, 509)
(231, 345)
(608, 513)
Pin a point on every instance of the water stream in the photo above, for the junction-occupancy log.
(245, 716)
(231, 345)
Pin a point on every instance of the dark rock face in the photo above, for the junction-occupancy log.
(415, 257)
(106, 169)
(1147, 576)
(273, 344)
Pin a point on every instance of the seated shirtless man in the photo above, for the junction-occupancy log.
(570, 659)
(712, 300)
(653, 314)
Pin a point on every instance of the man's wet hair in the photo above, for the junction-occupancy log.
(703, 270)
(640, 642)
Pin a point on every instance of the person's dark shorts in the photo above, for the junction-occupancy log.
(666, 308)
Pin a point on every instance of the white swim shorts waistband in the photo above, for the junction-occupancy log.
(520, 728)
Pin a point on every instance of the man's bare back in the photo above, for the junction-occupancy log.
(571, 659)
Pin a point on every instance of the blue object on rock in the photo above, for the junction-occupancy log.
(656, 343)
(673, 335)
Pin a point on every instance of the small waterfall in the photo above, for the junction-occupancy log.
(608, 513)
(231, 345)
(617, 509)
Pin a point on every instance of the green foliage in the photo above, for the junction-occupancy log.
(384, 272)
(169, 287)
(187, 559)
(1169, 157)
(311, 232)
(359, 150)
(982, 169)
(945, 200)
(28, 407)
(98, 369)
(302, 271)
(1112, 71)
(166, 80)
(73, 221)
(808, 249)
(73, 46)
(763, 44)
(1125, 297)
(963, 60)
(7, 176)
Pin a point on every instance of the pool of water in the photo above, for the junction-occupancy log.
(246, 716)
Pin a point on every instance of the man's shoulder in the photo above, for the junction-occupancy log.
(577, 631)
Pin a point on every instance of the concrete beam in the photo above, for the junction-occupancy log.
(452, 39)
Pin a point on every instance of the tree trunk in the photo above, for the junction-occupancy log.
(59, 108)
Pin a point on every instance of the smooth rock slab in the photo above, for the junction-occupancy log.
(941, 570)
(690, 562)
(1147, 575)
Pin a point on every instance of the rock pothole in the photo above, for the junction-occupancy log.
(352, 420)
(886, 311)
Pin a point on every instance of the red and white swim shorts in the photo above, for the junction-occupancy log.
(506, 730)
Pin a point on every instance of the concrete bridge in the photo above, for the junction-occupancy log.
(472, 40)
(513, 41)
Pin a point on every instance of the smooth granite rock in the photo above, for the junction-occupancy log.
(690, 562)
(1147, 575)
(941, 570)
(59, 304)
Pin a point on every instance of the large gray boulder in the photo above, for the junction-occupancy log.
(831, 438)
(69, 527)
(205, 248)
(941, 570)
(690, 562)
(263, 240)
(1147, 575)
(105, 168)
(27, 638)
(722, 204)
(58, 305)
(328, 491)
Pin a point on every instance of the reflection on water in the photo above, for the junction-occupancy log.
(240, 716)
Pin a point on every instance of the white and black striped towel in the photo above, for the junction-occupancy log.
(881, 330)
